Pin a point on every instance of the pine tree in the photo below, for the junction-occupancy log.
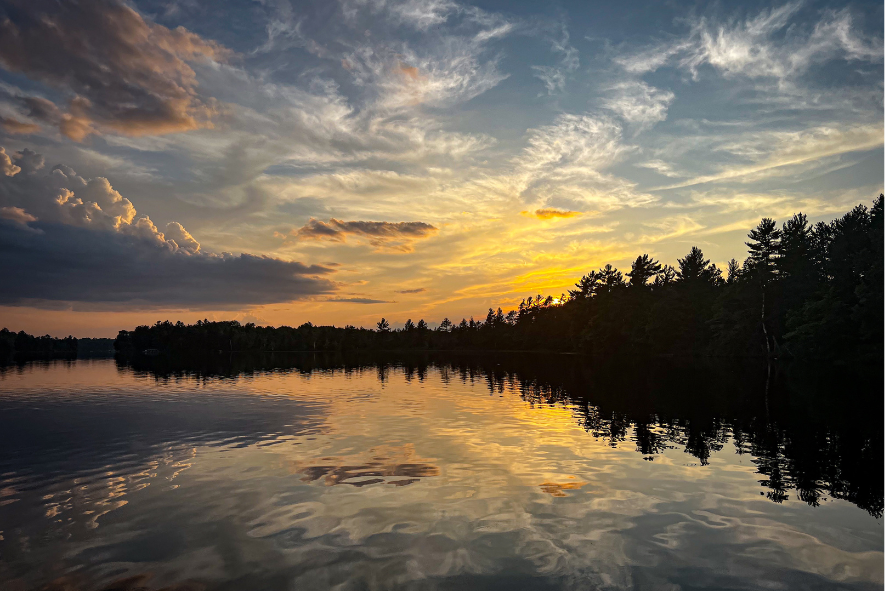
(642, 270)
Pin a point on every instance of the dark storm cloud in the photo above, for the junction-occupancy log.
(62, 263)
(118, 71)
(65, 238)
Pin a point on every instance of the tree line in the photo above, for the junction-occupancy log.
(811, 291)
(22, 343)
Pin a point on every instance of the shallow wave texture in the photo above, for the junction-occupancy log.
(437, 472)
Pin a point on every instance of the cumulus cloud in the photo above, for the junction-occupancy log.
(121, 73)
(383, 235)
(6, 165)
(74, 264)
(64, 238)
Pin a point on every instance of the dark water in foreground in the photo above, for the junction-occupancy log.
(490, 472)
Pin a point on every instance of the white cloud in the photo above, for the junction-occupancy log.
(564, 165)
(447, 70)
(639, 104)
(767, 154)
(767, 45)
(661, 167)
(554, 78)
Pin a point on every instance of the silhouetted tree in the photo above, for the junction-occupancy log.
(587, 285)
(642, 270)
(695, 268)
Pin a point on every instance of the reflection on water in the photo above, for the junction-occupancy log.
(437, 472)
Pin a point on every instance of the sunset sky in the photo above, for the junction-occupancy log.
(338, 161)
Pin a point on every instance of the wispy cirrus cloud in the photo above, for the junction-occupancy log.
(638, 103)
(564, 165)
(765, 45)
(766, 154)
(554, 76)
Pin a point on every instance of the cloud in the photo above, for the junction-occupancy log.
(16, 214)
(450, 65)
(766, 154)
(769, 44)
(12, 125)
(416, 290)
(64, 238)
(554, 77)
(6, 165)
(388, 235)
(638, 103)
(75, 264)
(359, 301)
(573, 141)
(123, 74)
(563, 166)
(549, 214)
(661, 167)
(421, 14)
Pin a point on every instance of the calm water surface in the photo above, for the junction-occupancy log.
(484, 473)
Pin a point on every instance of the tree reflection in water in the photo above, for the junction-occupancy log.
(811, 430)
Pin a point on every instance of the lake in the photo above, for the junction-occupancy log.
(437, 472)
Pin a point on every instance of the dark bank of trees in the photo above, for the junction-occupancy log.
(22, 343)
(12, 343)
(804, 290)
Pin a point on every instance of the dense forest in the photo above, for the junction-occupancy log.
(804, 290)
(22, 343)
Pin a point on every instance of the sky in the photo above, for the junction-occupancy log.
(340, 161)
